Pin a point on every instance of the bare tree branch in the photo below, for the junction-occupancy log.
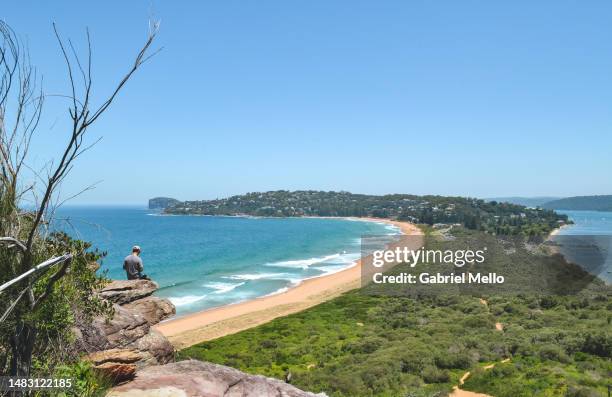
(81, 120)
(14, 242)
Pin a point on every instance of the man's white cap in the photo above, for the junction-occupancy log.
(136, 248)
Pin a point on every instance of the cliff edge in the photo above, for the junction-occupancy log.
(139, 359)
(120, 345)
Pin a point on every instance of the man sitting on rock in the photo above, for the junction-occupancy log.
(133, 265)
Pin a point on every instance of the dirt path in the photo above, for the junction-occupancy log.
(498, 326)
(457, 391)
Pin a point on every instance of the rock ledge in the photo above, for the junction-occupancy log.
(126, 342)
(192, 378)
(127, 349)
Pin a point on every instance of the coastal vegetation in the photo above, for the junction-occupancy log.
(359, 345)
(387, 341)
(476, 214)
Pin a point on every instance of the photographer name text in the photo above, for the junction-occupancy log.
(438, 278)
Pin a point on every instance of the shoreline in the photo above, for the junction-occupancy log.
(556, 249)
(558, 230)
(224, 320)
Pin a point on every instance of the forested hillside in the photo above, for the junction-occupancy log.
(586, 203)
(476, 214)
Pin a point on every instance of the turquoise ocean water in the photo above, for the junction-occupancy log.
(202, 262)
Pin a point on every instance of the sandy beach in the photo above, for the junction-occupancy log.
(217, 322)
(557, 230)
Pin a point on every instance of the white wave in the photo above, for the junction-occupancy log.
(294, 282)
(394, 229)
(221, 288)
(278, 291)
(255, 276)
(303, 263)
(185, 300)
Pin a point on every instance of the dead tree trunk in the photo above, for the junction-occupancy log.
(22, 346)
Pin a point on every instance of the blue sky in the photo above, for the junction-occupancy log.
(470, 98)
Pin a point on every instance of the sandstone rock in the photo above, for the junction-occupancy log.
(125, 343)
(127, 337)
(152, 308)
(125, 291)
(116, 372)
(117, 365)
(196, 378)
(154, 348)
(126, 356)
(119, 331)
(128, 331)
(168, 391)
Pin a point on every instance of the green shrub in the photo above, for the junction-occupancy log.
(366, 345)
(456, 360)
(433, 374)
(478, 321)
(268, 344)
(581, 392)
(554, 353)
(599, 344)
(548, 302)
(86, 382)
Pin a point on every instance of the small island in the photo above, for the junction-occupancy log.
(160, 203)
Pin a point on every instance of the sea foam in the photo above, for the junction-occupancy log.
(303, 263)
(185, 300)
(221, 288)
(278, 291)
(256, 276)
